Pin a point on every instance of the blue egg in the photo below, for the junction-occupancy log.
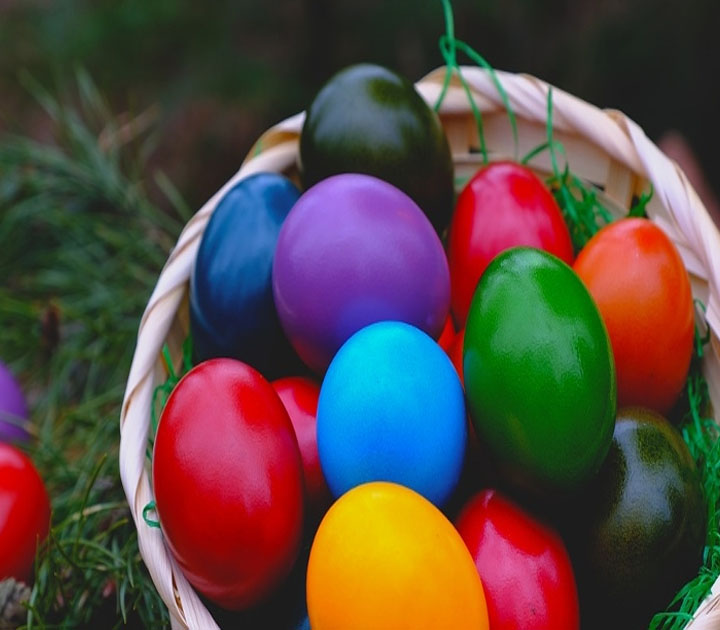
(232, 310)
(392, 408)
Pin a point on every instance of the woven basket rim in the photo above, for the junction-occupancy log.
(611, 132)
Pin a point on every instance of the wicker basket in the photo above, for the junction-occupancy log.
(603, 147)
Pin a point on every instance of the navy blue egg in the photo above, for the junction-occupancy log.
(232, 311)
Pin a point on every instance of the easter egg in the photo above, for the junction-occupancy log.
(232, 312)
(639, 281)
(641, 529)
(356, 250)
(228, 486)
(300, 395)
(503, 205)
(455, 352)
(539, 373)
(13, 408)
(284, 609)
(525, 568)
(391, 408)
(447, 335)
(24, 513)
(369, 119)
(386, 558)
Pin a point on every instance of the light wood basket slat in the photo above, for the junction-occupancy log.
(603, 147)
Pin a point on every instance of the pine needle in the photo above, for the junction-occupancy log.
(80, 249)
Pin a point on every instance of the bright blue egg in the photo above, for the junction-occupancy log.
(391, 408)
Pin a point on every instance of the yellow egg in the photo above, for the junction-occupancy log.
(384, 557)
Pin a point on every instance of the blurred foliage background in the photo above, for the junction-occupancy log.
(118, 118)
(222, 72)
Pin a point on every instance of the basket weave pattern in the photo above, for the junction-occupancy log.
(603, 147)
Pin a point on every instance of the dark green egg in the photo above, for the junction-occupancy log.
(369, 119)
(645, 524)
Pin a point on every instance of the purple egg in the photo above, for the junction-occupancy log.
(355, 250)
(13, 409)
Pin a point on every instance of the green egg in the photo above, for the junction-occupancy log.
(539, 373)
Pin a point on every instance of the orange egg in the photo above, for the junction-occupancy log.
(384, 557)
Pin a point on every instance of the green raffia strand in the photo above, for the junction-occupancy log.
(639, 208)
(480, 61)
(449, 46)
(162, 392)
(150, 507)
(160, 396)
(583, 211)
(187, 354)
(450, 58)
(545, 146)
(447, 49)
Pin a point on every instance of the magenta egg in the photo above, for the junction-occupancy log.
(355, 250)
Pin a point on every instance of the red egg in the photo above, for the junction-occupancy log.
(455, 352)
(228, 483)
(24, 513)
(300, 397)
(447, 335)
(503, 205)
(523, 564)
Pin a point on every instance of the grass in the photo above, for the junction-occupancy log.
(84, 246)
